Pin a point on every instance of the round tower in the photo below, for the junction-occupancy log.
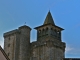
(24, 43)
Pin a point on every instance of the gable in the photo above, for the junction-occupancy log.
(3, 55)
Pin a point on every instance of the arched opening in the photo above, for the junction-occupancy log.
(52, 32)
(46, 31)
(43, 31)
(39, 33)
(58, 34)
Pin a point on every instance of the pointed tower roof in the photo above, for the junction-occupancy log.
(49, 19)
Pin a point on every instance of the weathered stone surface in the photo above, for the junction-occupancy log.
(17, 43)
(48, 46)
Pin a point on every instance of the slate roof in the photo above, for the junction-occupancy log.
(49, 19)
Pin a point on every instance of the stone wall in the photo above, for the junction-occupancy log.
(17, 43)
(9, 43)
(24, 53)
(48, 50)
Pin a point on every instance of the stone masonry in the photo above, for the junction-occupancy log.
(48, 46)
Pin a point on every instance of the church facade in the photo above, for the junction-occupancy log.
(49, 45)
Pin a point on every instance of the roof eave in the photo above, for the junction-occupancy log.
(48, 24)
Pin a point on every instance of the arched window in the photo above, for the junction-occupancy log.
(46, 31)
(43, 31)
(55, 32)
(51, 28)
(39, 33)
(58, 34)
(52, 33)
(9, 38)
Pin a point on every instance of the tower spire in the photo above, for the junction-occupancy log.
(49, 19)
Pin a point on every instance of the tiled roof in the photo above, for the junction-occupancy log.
(3, 52)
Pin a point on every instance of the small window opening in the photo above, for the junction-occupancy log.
(9, 38)
(39, 31)
(51, 28)
(8, 45)
(58, 32)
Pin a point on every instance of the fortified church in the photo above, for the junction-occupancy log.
(48, 46)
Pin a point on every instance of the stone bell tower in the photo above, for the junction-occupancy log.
(50, 35)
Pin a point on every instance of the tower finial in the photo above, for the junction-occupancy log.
(49, 10)
(25, 23)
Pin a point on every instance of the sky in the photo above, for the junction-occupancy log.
(66, 14)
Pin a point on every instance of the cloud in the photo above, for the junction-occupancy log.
(68, 49)
(72, 50)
